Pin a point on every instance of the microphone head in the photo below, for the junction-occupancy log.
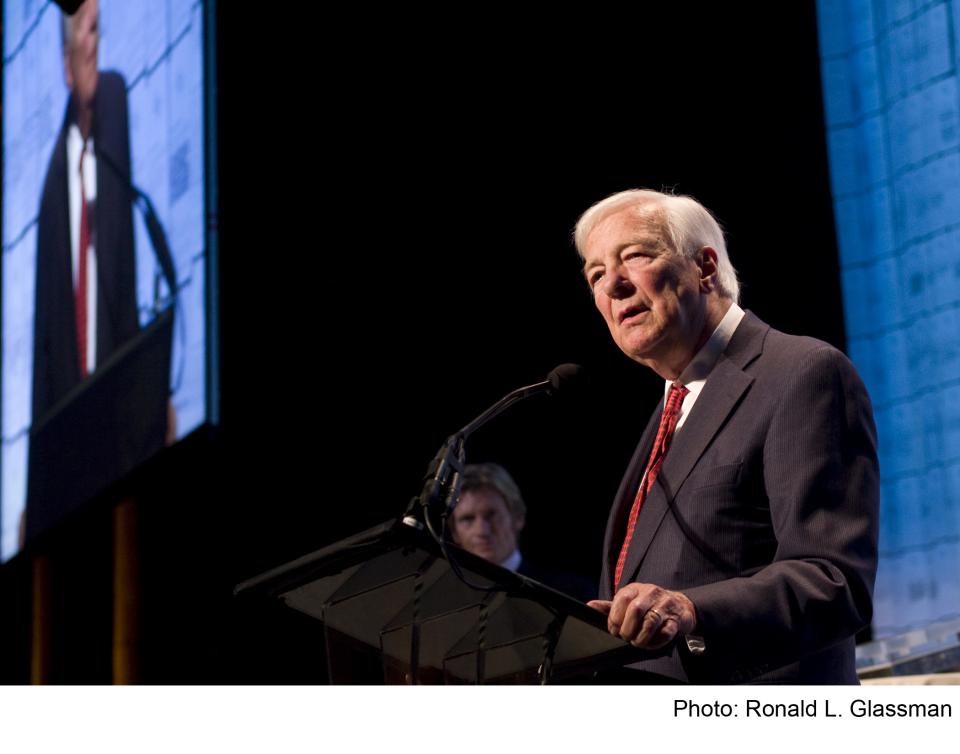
(563, 376)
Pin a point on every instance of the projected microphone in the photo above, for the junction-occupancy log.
(441, 488)
(158, 239)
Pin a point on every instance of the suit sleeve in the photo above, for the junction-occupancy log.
(821, 477)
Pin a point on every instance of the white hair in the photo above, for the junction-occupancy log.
(689, 224)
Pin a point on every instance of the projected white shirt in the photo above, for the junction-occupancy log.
(76, 152)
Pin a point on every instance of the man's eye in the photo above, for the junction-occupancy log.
(595, 278)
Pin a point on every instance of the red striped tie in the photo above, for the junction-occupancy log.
(668, 424)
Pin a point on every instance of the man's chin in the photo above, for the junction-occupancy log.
(641, 346)
(638, 351)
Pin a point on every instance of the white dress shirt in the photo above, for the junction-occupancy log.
(694, 377)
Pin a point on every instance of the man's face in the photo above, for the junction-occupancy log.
(80, 54)
(649, 296)
(482, 524)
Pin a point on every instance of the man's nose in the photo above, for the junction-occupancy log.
(616, 284)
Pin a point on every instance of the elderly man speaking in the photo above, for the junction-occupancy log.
(743, 537)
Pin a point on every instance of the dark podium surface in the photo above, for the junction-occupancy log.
(388, 597)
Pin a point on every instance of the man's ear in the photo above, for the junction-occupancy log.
(709, 266)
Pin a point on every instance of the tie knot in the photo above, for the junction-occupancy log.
(675, 397)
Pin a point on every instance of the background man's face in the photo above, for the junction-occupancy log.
(482, 524)
(648, 295)
(80, 54)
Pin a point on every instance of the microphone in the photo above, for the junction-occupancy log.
(441, 489)
(561, 378)
(566, 376)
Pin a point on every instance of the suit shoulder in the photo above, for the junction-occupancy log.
(802, 366)
(111, 124)
(111, 83)
(111, 103)
(803, 351)
(798, 364)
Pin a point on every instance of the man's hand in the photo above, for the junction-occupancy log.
(646, 615)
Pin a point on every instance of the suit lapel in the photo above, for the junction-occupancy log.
(613, 539)
(722, 392)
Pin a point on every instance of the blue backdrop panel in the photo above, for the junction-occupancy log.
(892, 101)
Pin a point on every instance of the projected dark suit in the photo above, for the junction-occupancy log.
(772, 532)
(56, 367)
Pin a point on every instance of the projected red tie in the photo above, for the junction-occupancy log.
(80, 295)
(668, 424)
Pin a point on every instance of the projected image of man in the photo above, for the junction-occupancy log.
(86, 304)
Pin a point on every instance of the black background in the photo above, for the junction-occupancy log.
(397, 192)
(403, 257)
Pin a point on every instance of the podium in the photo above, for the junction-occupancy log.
(105, 427)
(388, 597)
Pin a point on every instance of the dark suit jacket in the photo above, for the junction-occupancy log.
(56, 364)
(765, 514)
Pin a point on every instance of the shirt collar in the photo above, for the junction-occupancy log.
(699, 368)
(513, 562)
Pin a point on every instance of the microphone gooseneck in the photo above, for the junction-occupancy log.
(441, 489)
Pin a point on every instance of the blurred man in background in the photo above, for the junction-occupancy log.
(488, 521)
